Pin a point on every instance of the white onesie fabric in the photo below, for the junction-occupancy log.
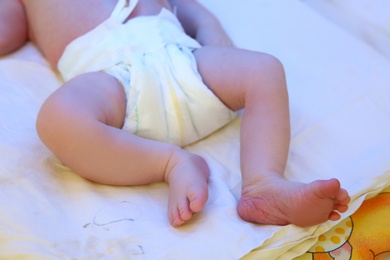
(152, 58)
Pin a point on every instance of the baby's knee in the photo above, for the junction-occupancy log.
(273, 66)
(53, 119)
(268, 77)
(46, 121)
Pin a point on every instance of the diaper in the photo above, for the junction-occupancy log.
(152, 58)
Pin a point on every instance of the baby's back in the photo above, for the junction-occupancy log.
(54, 24)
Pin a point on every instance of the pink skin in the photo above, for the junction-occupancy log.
(188, 190)
(81, 121)
(282, 202)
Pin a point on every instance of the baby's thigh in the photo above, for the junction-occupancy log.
(13, 28)
(95, 95)
(230, 72)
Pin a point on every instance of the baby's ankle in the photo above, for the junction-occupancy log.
(182, 158)
(270, 178)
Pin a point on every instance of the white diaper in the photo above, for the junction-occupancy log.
(152, 58)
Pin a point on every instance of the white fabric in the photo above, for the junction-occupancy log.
(123, 9)
(152, 59)
(340, 109)
(369, 20)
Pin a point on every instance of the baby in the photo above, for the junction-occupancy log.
(145, 78)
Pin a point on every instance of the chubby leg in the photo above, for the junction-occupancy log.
(81, 122)
(256, 82)
(13, 26)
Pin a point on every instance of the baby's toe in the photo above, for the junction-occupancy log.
(174, 218)
(184, 211)
(179, 213)
(343, 198)
(341, 208)
(334, 216)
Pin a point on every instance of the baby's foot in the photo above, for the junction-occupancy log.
(188, 189)
(282, 202)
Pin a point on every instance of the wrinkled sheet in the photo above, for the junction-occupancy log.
(340, 110)
(368, 20)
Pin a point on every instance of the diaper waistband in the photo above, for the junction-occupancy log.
(113, 42)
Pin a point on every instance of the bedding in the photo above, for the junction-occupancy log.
(363, 235)
(339, 100)
(367, 20)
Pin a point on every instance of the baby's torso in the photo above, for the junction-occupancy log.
(54, 24)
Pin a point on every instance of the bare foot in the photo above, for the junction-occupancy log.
(188, 189)
(282, 202)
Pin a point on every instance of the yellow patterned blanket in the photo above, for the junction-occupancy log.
(364, 235)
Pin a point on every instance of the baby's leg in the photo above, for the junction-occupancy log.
(13, 26)
(256, 82)
(81, 122)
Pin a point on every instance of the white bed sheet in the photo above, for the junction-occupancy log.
(369, 20)
(340, 109)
